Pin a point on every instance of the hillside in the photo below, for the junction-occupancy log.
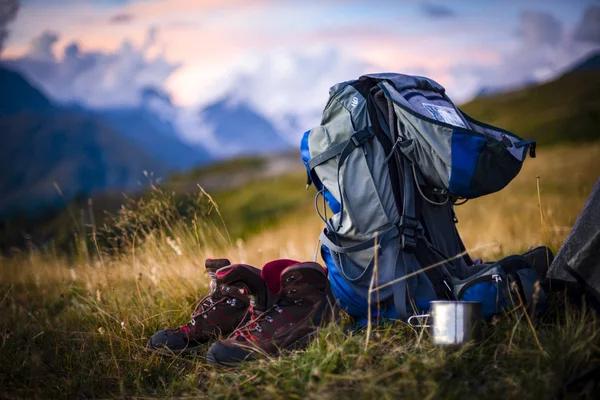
(43, 144)
(252, 192)
(81, 154)
(566, 110)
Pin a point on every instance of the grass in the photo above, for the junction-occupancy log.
(78, 326)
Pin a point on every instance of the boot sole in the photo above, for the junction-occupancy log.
(299, 344)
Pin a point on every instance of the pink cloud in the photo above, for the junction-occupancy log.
(159, 8)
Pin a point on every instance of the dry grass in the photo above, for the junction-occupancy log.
(78, 327)
(511, 218)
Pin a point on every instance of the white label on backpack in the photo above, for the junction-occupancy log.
(444, 114)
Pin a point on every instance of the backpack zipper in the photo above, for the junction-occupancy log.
(496, 278)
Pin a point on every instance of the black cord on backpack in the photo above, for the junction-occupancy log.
(435, 203)
(324, 215)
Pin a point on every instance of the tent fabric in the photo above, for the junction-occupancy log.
(578, 260)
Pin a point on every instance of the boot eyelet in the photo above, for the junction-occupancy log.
(278, 309)
(205, 316)
(259, 328)
(233, 302)
(193, 321)
(298, 302)
(214, 308)
(269, 318)
(290, 278)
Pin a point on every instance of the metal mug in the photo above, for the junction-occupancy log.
(454, 322)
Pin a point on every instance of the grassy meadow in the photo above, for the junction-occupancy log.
(77, 326)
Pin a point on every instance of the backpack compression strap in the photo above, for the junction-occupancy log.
(342, 149)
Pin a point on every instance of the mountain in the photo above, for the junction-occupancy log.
(149, 126)
(17, 95)
(590, 63)
(43, 144)
(156, 135)
(491, 90)
(565, 110)
(239, 129)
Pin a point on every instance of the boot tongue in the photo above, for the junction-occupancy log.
(212, 265)
(248, 277)
(302, 282)
(271, 273)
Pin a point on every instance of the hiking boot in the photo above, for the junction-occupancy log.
(220, 312)
(301, 305)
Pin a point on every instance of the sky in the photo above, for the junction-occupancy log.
(281, 56)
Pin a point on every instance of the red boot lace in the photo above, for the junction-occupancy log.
(257, 319)
(206, 304)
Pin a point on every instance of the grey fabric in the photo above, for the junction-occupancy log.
(361, 194)
(328, 154)
(341, 149)
(579, 257)
(363, 273)
(489, 269)
(398, 84)
(403, 82)
(385, 237)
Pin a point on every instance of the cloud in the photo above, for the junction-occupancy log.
(588, 30)
(436, 10)
(539, 28)
(42, 47)
(121, 18)
(288, 87)
(8, 12)
(95, 78)
(545, 50)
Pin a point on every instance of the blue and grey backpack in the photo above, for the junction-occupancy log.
(391, 158)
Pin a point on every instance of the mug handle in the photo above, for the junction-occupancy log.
(419, 316)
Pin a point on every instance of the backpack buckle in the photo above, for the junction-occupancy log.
(409, 232)
(360, 137)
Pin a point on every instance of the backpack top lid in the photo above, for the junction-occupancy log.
(451, 150)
